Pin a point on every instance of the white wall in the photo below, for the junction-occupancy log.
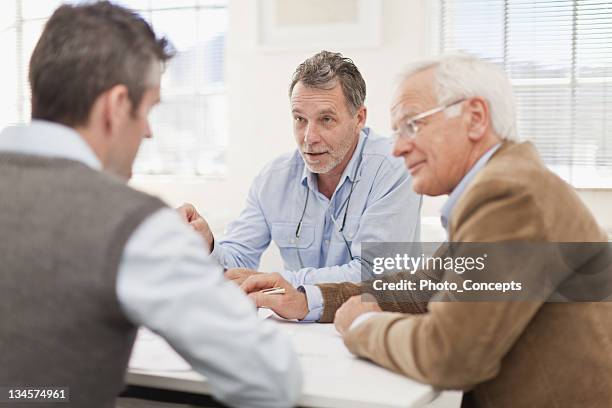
(260, 121)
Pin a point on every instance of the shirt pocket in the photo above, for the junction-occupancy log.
(283, 234)
(350, 228)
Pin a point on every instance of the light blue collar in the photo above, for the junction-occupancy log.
(455, 195)
(349, 171)
(49, 139)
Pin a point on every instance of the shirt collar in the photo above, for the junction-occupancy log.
(50, 139)
(351, 167)
(456, 194)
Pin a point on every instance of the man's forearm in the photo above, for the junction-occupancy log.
(452, 346)
(335, 294)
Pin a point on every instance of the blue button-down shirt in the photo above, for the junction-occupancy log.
(447, 209)
(382, 208)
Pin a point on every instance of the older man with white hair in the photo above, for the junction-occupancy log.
(455, 125)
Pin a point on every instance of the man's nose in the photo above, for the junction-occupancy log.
(402, 146)
(311, 134)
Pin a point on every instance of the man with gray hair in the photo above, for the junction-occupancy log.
(339, 188)
(455, 127)
(86, 259)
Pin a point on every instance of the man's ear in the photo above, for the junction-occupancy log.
(478, 118)
(117, 107)
(362, 115)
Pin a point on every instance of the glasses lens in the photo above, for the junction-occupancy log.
(412, 129)
(407, 130)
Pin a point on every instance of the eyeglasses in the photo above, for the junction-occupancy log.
(409, 128)
(345, 206)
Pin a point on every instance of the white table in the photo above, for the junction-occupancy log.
(333, 377)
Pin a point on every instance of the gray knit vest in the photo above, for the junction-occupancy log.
(63, 228)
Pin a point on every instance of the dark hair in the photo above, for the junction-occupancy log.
(325, 69)
(87, 49)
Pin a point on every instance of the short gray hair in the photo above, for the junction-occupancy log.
(325, 69)
(462, 75)
(86, 49)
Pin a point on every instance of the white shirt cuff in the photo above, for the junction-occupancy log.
(314, 297)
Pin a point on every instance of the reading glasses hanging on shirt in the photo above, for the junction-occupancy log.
(345, 205)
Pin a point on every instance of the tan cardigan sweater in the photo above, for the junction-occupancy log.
(507, 354)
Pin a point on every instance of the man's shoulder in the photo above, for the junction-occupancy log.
(517, 187)
(517, 166)
(102, 182)
(72, 177)
(286, 165)
(117, 185)
(376, 144)
(100, 190)
(379, 148)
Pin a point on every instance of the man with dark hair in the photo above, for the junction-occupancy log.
(339, 188)
(86, 259)
(130, 54)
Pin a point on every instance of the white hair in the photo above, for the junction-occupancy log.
(465, 76)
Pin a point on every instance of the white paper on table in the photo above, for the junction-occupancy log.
(264, 313)
(325, 345)
(322, 341)
(152, 353)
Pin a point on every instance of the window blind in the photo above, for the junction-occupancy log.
(558, 54)
(190, 125)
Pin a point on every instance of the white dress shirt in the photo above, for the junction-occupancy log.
(168, 282)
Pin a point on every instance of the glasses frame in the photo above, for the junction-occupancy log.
(345, 206)
(409, 127)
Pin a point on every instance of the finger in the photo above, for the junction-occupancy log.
(263, 300)
(339, 322)
(258, 282)
(183, 214)
(198, 225)
(188, 212)
(355, 298)
(337, 326)
(232, 274)
(354, 301)
(238, 280)
(186, 209)
(338, 314)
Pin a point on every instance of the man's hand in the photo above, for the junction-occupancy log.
(291, 305)
(353, 308)
(191, 216)
(239, 275)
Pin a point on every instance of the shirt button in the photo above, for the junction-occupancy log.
(327, 241)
